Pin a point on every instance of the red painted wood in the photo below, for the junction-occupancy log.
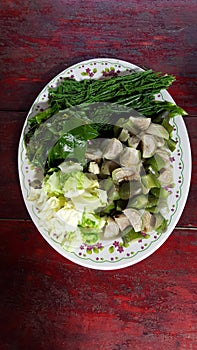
(50, 303)
(41, 38)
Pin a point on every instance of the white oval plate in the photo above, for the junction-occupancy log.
(110, 255)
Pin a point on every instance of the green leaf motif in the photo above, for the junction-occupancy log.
(111, 249)
(95, 250)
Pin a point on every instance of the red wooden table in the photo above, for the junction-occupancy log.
(46, 301)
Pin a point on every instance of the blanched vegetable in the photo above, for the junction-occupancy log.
(122, 221)
(113, 148)
(125, 174)
(111, 229)
(136, 90)
(149, 146)
(157, 130)
(129, 157)
(141, 123)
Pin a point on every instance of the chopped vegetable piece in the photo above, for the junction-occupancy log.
(171, 144)
(111, 229)
(125, 174)
(129, 189)
(160, 223)
(122, 221)
(157, 130)
(135, 218)
(150, 181)
(138, 202)
(156, 162)
(160, 192)
(148, 221)
(129, 235)
(113, 148)
(141, 123)
(149, 146)
(129, 157)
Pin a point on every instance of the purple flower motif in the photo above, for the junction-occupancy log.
(116, 244)
(140, 241)
(72, 76)
(81, 247)
(104, 74)
(91, 74)
(120, 249)
(99, 245)
(111, 72)
(89, 247)
(172, 159)
(88, 70)
(144, 234)
(168, 188)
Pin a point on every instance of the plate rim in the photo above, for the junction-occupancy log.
(109, 265)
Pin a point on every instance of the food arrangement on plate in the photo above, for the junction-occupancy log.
(101, 157)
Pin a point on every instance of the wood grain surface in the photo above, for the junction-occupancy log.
(46, 301)
(63, 306)
(41, 38)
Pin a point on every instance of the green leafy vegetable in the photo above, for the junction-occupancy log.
(71, 145)
(134, 90)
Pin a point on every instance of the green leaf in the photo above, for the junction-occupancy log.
(111, 249)
(95, 250)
